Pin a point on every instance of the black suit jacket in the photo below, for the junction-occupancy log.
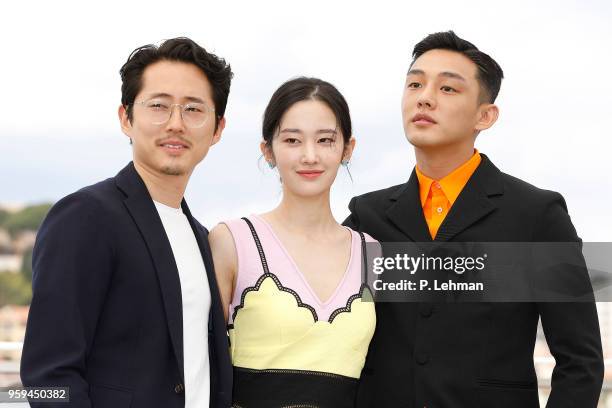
(476, 354)
(106, 313)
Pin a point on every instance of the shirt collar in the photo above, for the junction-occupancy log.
(424, 185)
(451, 184)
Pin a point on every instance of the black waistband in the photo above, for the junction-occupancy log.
(278, 388)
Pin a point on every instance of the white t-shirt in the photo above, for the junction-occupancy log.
(195, 294)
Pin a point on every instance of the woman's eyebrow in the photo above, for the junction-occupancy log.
(290, 130)
(293, 130)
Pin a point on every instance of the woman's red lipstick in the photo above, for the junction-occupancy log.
(310, 174)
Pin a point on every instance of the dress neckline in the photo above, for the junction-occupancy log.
(299, 272)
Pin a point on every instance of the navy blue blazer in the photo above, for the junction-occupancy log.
(106, 313)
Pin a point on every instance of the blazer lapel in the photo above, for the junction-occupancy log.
(473, 202)
(216, 322)
(202, 239)
(145, 215)
(407, 213)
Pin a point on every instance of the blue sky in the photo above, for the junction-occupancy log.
(64, 57)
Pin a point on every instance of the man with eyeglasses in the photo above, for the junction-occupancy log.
(125, 309)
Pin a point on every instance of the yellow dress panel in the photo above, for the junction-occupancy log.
(272, 330)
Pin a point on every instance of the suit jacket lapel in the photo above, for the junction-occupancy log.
(407, 213)
(216, 322)
(145, 215)
(202, 239)
(473, 202)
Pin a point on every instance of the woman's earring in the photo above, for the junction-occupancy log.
(345, 164)
(271, 165)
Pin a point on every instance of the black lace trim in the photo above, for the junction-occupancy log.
(326, 374)
(349, 303)
(279, 285)
(268, 274)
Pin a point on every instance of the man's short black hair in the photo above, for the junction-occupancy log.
(181, 49)
(489, 75)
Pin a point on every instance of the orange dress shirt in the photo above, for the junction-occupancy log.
(438, 196)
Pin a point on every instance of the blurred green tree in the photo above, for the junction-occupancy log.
(15, 289)
(3, 216)
(29, 218)
(26, 265)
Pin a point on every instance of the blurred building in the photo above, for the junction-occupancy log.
(13, 321)
(24, 241)
(10, 263)
(604, 310)
(6, 243)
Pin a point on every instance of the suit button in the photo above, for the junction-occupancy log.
(422, 358)
(179, 388)
(426, 310)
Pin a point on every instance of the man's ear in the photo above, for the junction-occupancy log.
(217, 136)
(126, 126)
(487, 116)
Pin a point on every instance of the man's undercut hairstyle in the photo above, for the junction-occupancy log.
(180, 49)
(489, 74)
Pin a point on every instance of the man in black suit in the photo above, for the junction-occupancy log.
(125, 309)
(441, 355)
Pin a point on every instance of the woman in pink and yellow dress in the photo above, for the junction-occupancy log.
(300, 315)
